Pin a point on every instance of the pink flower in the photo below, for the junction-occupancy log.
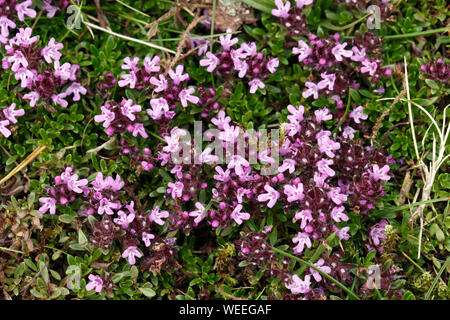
(323, 115)
(60, 99)
(175, 189)
(227, 41)
(17, 60)
(358, 114)
(301, 3)
(96, 283)
(342, 233)
(303, 50)
(238, 163)
(319, 265)
(313, 90)
(130, 64)
(348, 133)
(272, 65)
(380, 174)
(131, 252)
(288, 164)
(47, 204)
(5, 24)
(248, 50)
(303, 240)
(319, 180)
(377, 232)
(3, 128)
(64, 71)
(178, 75)
(106, 117)
(370, 67)
(221, 120)
(75, 185)
(326, 145)
(263, 156)
(198, 214)
(115, 184)
(151, 65)
(178, 170)
(25, 76)
(323, 167)
(51, 51)
(157, 216)
(296, 113)
(239, 216)
(124, 220)
(337, 214)
(222, 175)
(207, 157)
(23, 37)
(305, 216)
(335, 195)
(298, 285)
(146, 237)
(23, 10)
(294, 192)
(51, 10)
(186, 95)
(161, 84)
(128, 109)
(328, 81)
(11, 114)
(272, 196)
(75, 89)
(159, 108)
(339, 50)
(106, 206)
(241, 192)
(33, 97)
(255, 84)
(173, 141)
(358, 55)
(282, 10)
(128, 80)
(229, 133)
(211, 62)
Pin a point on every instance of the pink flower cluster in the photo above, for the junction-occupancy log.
(245, 60)
(331, 59)
(120, 118)
(8, 117)
(171, 90)
(104, 196)
(9, 9)
(40, 70)
(294, 22)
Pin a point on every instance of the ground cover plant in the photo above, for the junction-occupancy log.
(224, 149)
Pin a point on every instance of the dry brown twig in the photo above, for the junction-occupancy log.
(170, 63)
(384, 115)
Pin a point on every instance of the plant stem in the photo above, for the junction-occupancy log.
(340, 285)
(335, 28)
(436, 279)
(413, 262)
(132, 8)
(213, 18)
(11, 250)
(416, 34)
(148, 44)
(345, 114)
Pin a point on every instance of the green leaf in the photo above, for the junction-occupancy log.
(262, 5)
(408, 295)
(148, 292)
